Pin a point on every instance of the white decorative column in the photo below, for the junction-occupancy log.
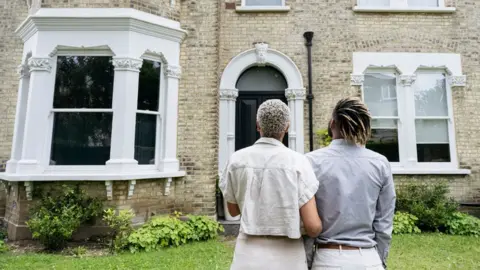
(409, 95)
(170, 162)
(296, 99)
(125, 95)
(39, 103)
(228, 98)
(21, 110)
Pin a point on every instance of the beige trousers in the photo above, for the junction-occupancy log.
(331, 259)
(264, 252)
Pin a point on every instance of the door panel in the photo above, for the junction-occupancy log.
(246, 114)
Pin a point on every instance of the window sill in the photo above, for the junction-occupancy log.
(244, 9)
(403, 171)
(82, 176)
(406, 10)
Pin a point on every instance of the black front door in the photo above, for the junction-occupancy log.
(246, 114)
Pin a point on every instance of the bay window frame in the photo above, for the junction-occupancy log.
(407, 66)
(403, 6)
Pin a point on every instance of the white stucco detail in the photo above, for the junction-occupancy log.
(129, 36)
(259, 56)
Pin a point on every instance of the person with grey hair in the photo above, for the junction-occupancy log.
(273, 189)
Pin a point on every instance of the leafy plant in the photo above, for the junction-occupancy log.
(121, 225)
(463, 224)
(162, 231)
(405, 223)
(56, 218)
(324, 139)
(429, 202)
(166, 231)
(3, 247)
(3, 233)
(204, 228)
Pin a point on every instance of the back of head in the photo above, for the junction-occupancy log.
(273, 118)
(352, 120)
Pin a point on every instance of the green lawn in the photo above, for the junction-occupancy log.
(429, 251)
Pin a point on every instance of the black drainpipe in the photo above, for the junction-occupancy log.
(308, 37)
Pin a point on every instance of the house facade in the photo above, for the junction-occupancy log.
(141, 102)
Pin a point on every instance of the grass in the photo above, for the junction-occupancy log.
(426, 251)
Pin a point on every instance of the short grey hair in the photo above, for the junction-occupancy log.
(273, 117)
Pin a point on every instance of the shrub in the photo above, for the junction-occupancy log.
(463, 224)
(405, 223)
(204, 228)
(3, 247)
(78, 252)
(166, 231)
(160, 232)
(121, 226)
(56, 218)
(324, 139)
(430, 203)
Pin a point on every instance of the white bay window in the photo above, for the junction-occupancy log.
(409, 96)
(93, 95)
(402, 6)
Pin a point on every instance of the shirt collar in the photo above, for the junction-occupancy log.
(271, 141)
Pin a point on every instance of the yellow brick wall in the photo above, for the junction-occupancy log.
(339, 32)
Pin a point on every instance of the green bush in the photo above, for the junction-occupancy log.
(166, 231)
(463, 224)
(428, 202)
(56, 218)
(324, 139)
(405, 223)
(3, 247)
(204, 228)
(121, 226)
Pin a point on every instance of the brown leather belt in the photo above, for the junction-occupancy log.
(335, 246)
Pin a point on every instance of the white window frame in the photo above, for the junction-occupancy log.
(406, 66)
(267, 8)
(50, 33)
(402, 6)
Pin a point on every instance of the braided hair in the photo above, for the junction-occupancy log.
(353, 120)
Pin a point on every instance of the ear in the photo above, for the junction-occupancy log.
(288, 127)
(258, 127)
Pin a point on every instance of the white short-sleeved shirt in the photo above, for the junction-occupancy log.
(270, 183)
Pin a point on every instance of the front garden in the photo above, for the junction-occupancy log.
(429, 233)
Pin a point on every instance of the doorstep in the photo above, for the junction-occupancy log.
(231, 227)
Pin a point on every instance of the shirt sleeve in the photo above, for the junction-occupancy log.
(383, 222)
(308, 183)
(226, 186)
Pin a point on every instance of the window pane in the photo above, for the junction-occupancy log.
(149, 86)
(423, 3)
(83, 82)
(263, 2)
(145, 137)
(430, 95)
(432, 141)
(384, 139)
(261, 79)
(81, 138)
(380, 94)
(374, 3)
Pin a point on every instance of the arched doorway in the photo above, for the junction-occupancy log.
(255, 86)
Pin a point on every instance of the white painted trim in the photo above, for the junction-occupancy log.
(252, 9)
(360, 9)
(261, 55)
(408, 65)
(100, 19)
(82, 176)
(402, 171)
(128, 35)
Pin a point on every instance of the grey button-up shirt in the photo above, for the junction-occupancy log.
(356, 196)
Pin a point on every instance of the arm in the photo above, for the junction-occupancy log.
(310, 218)
(383, 222)
(226, 187)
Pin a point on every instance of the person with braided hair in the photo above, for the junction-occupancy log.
(356, 194)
